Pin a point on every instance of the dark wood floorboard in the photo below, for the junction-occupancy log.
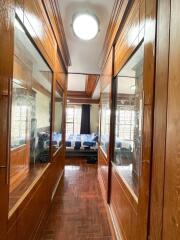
(77, 211)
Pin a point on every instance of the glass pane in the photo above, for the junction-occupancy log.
(77, 119)
(57, 134)
(31, 104)
(129, 111)
(73, 120)
(105, 118)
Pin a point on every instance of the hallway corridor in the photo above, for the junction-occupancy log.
(77, 211)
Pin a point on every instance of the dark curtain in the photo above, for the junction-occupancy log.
(85, 119)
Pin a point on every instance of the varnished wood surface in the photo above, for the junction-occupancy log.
(6, 71)
(31, 208)
(171, 213)
(18, 191)
(131, 34)
(160, 120)
(103, 169)
(77, 211)
(106, 75)
(19, 166)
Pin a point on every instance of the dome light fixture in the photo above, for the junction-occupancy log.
(85, 26)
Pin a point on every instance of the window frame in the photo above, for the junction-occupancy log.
(73, 121)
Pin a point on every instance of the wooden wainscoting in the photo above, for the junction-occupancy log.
(19, 165)
(123, 206)
(26, 218)
(103, 168)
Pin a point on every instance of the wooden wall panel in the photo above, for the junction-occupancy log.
(129, 213)
(106, 75)
(160, 120)
(124, 207)
(6, 71)
(103, 161)
(103, 172)
(26, 220)
(131, 35)
(61, 75)
(171, 213)
(117, 18)
(19, 165)
(53, 12)
(37, 25)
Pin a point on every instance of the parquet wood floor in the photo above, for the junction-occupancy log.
(77, 211)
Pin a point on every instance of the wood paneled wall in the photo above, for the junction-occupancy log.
(103, 160)
(26, 218)
(131, 35)
(6, 71)
(19, 165)
(129, 213)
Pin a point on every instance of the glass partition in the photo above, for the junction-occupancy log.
(30, 111)
(129, 114)
(57, 134)
(105, 118)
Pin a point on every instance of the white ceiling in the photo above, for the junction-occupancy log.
(76, 82)
(85, 55)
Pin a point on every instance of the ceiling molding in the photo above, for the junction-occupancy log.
(80, 73)
(91, 83)
(83, 101)
(54, 16)
(118, 14)
(77, 94)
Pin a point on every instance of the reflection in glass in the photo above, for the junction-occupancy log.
(31, 104)
(129, 111)
(73, 120)
(57, 134)
(105, 118)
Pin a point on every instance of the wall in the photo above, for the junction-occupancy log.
(42, 115)
(129, 214)
(94, 121)
(27, 216)
(58, 117)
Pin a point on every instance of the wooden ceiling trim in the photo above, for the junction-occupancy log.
(54, 16)
(117, 19)
(91, 83)
(90, 86)
(77, 94)
(83, 101)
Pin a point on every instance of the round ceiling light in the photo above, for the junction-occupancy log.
(85, 26)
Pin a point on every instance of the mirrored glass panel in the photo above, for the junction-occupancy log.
(57, 134)
(129, 114)
(105, 118)
(31, 108)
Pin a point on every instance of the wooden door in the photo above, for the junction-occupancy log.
(6, 68)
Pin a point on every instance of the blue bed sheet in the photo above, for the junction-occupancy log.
(81, 141)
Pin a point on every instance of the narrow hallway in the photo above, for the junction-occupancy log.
(77, 210)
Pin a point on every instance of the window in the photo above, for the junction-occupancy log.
(125, 123)
(129, 113)
(73, 120)
(19, 117)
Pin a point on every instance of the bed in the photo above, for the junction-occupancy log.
(85, 145)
